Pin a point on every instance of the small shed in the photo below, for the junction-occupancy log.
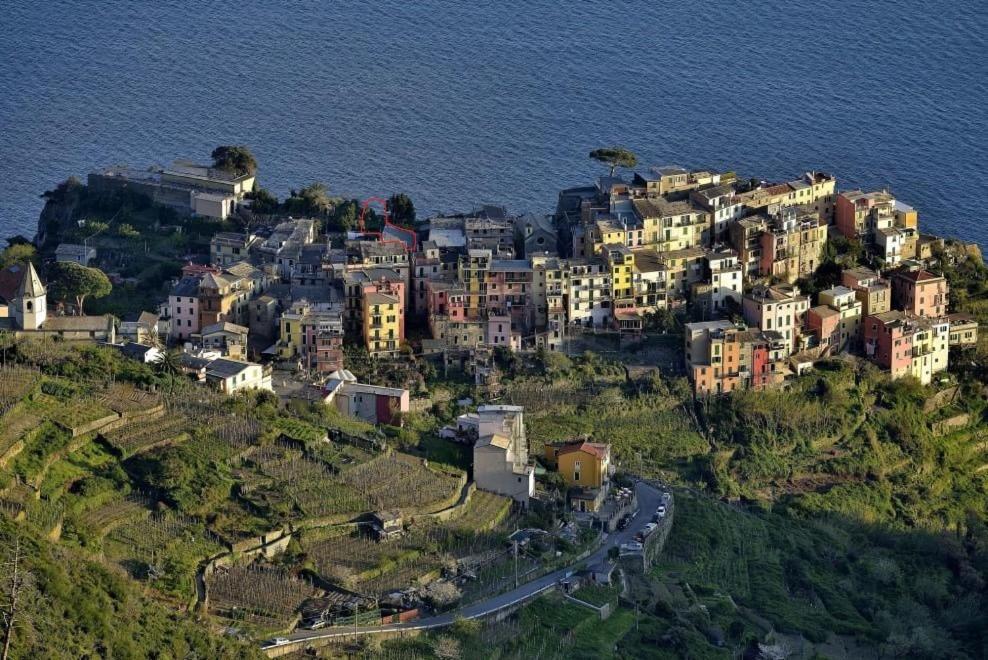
(387, 525)
(602, 573)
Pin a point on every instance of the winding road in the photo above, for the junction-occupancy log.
(649, 499)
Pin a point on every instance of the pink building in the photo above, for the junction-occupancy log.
(499, 332)
(888, 341)
(824, 322)
(920, 292)
(183, 309)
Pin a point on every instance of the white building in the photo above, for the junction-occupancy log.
(213, 205)
(232, 376)
(80, 254)
(500, 457)
(726, 279)
(589, 287)
(371, 403)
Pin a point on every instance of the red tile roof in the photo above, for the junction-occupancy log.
(593, 448)
(919, 275)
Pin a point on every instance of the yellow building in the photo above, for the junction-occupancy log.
(814, 189)
(290, 337)
(585, 468)
(383, 323)
(622, 263)
(473, 271)
(581, 463)
(671, 226)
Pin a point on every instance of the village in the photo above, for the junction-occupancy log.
(726, 257)
(755, 283)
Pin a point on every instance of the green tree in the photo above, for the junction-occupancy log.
(615, 157)
(313, 200)
(17, 253)
(263, 201)
(72, 280)
(345, 216)
(169, 363)
(234, 158)
(127, 231)
(402, 209)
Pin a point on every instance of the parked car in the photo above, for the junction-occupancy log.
(624, 522)
(631, 546)
(660, 512)
(277, 641)
(649, 528)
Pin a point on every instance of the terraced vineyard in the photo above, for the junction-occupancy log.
(284, 477)
(144, 434)
(124, 398)
(15, 384)
(114, 512)
(388, 482)
(184, 476)
(152, 546)
(266, 597)
(483, 512)
(354, 559)
(13, 426)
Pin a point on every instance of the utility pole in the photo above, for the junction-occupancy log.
(516, 564)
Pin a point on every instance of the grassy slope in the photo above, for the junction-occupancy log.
(93, 611)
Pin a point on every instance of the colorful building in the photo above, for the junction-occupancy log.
(779, 308)
(920, 292)
(907, 345)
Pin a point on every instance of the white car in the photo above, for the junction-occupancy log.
(277, 641)
(661, 512)
(632, 546)
(649, 528)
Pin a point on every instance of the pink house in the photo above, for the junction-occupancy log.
(824, 322)
(183, 308)
(888, 341)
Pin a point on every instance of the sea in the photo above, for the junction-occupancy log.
(464, 103)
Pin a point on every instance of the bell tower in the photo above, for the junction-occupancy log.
(31, 304)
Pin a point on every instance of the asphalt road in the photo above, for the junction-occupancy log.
(648, 500)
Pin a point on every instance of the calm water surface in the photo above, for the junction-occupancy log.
(465, 102)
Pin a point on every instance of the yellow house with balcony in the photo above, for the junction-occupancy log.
(383, 323)
(586, 468)
(622, 262)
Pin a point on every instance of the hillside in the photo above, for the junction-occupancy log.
(844, 516)
(235, 515)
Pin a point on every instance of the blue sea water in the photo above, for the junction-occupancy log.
(464, 102)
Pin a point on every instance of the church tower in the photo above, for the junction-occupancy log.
(31, 304)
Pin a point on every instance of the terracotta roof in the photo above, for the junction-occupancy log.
(918, 275)
(597, 449)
